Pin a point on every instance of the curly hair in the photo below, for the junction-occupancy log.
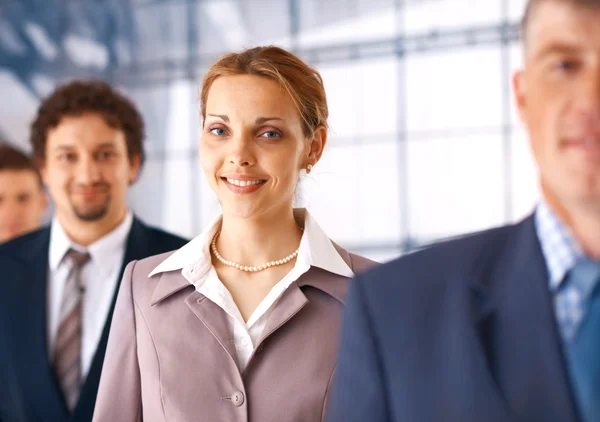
(79, 97)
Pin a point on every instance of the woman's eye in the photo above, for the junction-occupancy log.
(271, 134)
(219, 131)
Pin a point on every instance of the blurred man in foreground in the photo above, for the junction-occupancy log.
(502, 325)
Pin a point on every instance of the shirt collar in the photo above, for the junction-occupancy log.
(560, 248)
(106, 249)
(316, 249)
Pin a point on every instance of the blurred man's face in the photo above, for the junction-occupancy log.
(22, 203)
(87, 170)
(558, 96)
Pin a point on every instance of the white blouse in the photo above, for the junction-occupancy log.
(194, 261)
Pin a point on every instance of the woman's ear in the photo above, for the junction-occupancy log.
(317, 144)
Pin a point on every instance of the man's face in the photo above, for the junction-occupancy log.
(87, 169)
(22, 203)
(558, 96)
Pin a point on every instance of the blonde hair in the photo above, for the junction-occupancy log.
(302, 82)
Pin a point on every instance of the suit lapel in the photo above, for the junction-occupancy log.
(289, 304)
(32, 347)
(214, 319)
(138, 246)
(517, 328)
(293, 300)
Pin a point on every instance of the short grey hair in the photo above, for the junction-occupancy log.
(532, 5)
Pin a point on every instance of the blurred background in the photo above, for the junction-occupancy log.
(425, 141)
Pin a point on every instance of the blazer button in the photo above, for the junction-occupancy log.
(237, 398)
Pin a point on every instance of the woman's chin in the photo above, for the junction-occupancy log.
(239, 211)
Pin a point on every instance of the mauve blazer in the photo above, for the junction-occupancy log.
(171, 356)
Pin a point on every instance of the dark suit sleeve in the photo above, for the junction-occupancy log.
(358, 392)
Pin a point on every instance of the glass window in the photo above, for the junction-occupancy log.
(341, 21)
(439, 112)
(363, 99)
(515, 63)
(455, 185)
(454, 90)
(525, 189)
(162, 30)
(516, 8)
(420, 16)
(354, 192)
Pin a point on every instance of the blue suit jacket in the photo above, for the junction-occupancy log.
(462, 331)
(28, 389)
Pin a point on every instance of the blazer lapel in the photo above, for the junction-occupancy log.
(514, 317)
(289, 304)
(214, 319)
(39, 384)
(210, 315)
(293, 299)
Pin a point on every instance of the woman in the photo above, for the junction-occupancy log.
(242, 322)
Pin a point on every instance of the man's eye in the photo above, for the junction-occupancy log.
(66, 157)
(104, 155)
(567, 65)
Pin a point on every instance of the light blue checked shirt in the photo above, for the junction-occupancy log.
(561, 251)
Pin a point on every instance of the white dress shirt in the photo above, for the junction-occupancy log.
(194, 261)
(100, 276)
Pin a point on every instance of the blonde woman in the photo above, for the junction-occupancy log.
(242, 322)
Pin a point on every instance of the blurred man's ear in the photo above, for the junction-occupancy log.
(134, 168)
(41, 165)
(520, 92)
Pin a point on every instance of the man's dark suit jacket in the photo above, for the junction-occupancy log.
(29, 391)
(463, 331)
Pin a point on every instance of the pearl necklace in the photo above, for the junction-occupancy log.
(213, 246)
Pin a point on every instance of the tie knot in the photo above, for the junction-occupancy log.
(79, 259)
(585, 275)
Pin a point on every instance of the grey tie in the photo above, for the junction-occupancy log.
(67, 352)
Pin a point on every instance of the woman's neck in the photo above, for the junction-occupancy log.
(254, 241)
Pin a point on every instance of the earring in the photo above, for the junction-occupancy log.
(308, 168)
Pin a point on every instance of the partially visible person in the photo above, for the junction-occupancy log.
(502, 325)
(23, 201)
(241, 323)
(59, 284)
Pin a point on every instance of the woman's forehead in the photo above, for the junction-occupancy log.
(250, 96)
